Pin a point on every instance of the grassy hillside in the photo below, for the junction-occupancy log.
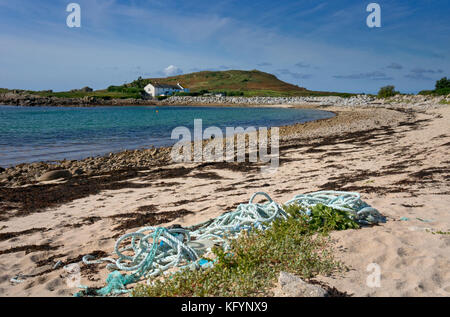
(232, 82)
(250, 83)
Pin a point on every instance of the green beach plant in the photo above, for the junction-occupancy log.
(325, 219)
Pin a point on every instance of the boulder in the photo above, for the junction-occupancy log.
(2, 169)
(57, 174)
(76, 171)
(290, 285)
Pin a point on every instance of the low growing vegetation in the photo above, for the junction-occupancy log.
(442, 88)
(439, 232)
(113, 92)
(299, 245)
(387, 91)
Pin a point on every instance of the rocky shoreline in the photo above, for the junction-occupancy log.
(359, 100)
(27, 100)
(413, 101)
(33, 173)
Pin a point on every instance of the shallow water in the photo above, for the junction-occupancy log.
(29, 134)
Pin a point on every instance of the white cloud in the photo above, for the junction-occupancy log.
(173, 71)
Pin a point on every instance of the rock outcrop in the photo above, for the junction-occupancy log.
(36, 100)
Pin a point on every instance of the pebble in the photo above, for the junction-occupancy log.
(290, 285)
(52, 175)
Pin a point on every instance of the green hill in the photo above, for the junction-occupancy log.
(232, 82)
(248, 83)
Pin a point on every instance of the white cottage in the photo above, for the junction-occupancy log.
(163, 89)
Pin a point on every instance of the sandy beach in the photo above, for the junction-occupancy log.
(396, 156)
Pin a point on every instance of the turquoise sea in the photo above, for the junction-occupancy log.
(29, 134)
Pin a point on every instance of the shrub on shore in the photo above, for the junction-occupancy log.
(442, 88)
(123, 89)
(426, 92)
(298, 245)
(387, 91)
(443, 83)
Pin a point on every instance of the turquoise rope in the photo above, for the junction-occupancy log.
(157, 249)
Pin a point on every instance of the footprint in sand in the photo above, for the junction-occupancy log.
(402, 252)
(52, 285)
(400, 285)
(4, 278)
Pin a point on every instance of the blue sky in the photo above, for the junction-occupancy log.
(320, 45)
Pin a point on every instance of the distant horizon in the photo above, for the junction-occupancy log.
(112, 84)
(318, 45)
